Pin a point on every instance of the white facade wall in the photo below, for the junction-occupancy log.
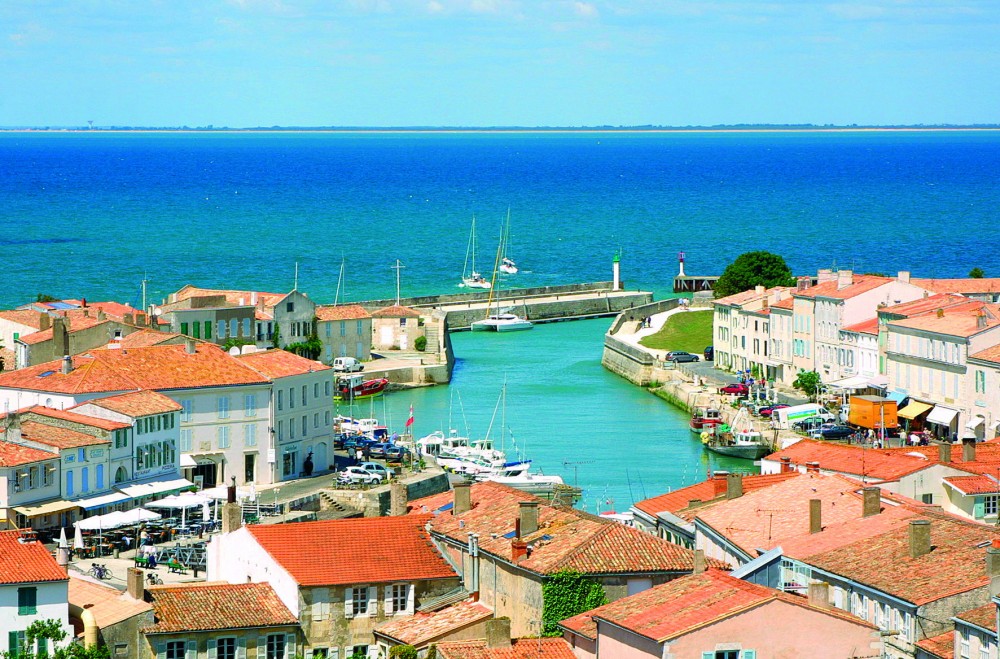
(52, 603)
(15, 399)
(303, 421)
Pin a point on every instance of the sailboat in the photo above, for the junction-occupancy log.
(497, 319)
(472, 278)
(507, 265)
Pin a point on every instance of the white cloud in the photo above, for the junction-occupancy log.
(585, 9)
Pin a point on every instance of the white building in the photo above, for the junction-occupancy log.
(32, 588)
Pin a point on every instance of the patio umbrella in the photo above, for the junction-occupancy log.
(78, 538)
(62, 537)
(206, 512)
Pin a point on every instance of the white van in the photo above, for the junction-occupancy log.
(784, 417)
(347, 365)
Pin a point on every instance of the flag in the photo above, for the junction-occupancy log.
(409, 422)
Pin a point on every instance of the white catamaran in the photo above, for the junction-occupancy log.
(497, 319)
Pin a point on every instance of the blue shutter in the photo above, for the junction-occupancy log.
(749, 654)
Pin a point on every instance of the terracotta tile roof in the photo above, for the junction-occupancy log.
(280, 363)
(954, 565)
(924, 305)
(752, 295)
(382, 550)
(147, 337)
(978, 484)
(566, 538)
(136, 403)
(678, 607)
(74, 417)
(675, 501)
(233, 297)
(865, 327)
(984, 616)
(210, 606)
(108, 604)
(26, 562)
(521, 648)
(57, 437)
(941, 646)
(87, 376)
(395, 311)
(425, 627)
(967, 286)
(893, 515)
(961, 320)
(784, 304)
(27, 317)
(13, 455)
(878, 464)
(329, 312)
(991, 354)
(860, 284)
(171, 367)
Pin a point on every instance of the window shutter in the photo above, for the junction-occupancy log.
(261, 647)
(372, 600)
(290, 646)
(211, 648)
(749, 654)
(707, 655)
(409, 598)
(388, 600)
(349, 603)
(192, 650)
(161, 651)
(320, 596)
(977, 508)
(241, 648)
(13, 644)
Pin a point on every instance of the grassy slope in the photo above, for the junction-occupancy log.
(688, 330)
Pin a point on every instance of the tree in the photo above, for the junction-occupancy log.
(753, 269)
(420, 343)
(51, 632)
(807, 382)
(977, 273)
(276, 337)
(565, 594)
(403, 652)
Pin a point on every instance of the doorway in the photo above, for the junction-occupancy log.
(249, 468)
(209, 473)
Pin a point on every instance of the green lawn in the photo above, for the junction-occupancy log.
(688, 330)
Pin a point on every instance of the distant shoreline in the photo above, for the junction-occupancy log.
(486, 131)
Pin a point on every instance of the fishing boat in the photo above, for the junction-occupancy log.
(703, 418)
(353, 387)
(741, 440)
(471, 278)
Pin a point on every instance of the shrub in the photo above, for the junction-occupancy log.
(420, 343)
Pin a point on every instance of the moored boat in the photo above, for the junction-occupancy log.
(501, 322)
(703, 418)
(353, 387)
(741, 440)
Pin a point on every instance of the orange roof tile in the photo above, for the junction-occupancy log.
(147, 337)
(924, 305)
(108, 604)
(328, 312)
(76, 324)
(752, 295)
(425, 627)
(74, 417)
(566, 538)
(784, 304)
(991, 354)
(941, 646)
(680, 606)
(26, 317)
(13, 455)
(209, 606)
(978, 484)
(136, 404)
(171, 367)
(879, 464)
(57, 437)
(860, 284)
(967, 286)
(865, 327)
(87, 376)
(26, 562)
(520, 648)
(382, 550)
(233, 297)
(280, 363)
(677, 500)
(961, 320)
(984, 616)
(395, 311)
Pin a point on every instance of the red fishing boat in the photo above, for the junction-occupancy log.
(705, 418)
(352, 387)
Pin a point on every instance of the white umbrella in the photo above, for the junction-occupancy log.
(221, 493)
(206, 512)
(90, 524)
(78, 538)
(62, 537)
(135, 516)
(180, 501)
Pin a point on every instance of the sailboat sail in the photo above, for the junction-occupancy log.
(472, 278)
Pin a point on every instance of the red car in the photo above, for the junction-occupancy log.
(737, 388)
(767, 411)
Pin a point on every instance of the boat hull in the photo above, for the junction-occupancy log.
(489, 325)
(745, 451)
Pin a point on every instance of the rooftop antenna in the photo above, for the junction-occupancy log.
(340, 281)
(145, 280)
(398, 267)
(296, 286)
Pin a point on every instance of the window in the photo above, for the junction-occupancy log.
(316, 420)
(223, 407)
(250, 405)
(359, 328)
(326, 418)
(246, 327)
(281, 429)
(305, 393)
(16, 642)
(320, 605)
(85, 479)
(305, 425)
(980, 382)
(315, 389)
(234, 327)
(225, 648)
(291, 398)
(343, 328)
(326, 388)
(184, 329)
(329, 329)
(250, 435)
(224, 437)
(397, 599)
(990, 504)
(27, 601)
(984, 648)
(69, 483)
(281, 400)
(175, 649)
(275, 646)
(222, 329)
(357, 602)
(963, 646)
(186, 441)
(186, 408)
(99, 477)
(290, 307)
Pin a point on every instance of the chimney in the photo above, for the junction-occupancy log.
(920, 537)
(135, 583)
(819, 595)
(815, 515)
(734, 486)
(189, 346)
(397, 499)
(101, 315)
(812, 467)
(904, 276)
(981, 319)
(67, 365)
(844, 279)
(528, 515)
(698, 562)
(719, 482)
(786, 465)
(86, 313)
(60, 336)
(968, 449)
(498, 633)
(944, 452)
(825, 274)
(128, 319)
(759, 290)
(802, 283)
(44, 322)
(518, 550)
(62, 558)
(463, 498)
(871, 501)
(232, 517)
(140, 320)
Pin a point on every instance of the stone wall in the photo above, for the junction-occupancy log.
(483, 295)
(595, 306)
(375, 502)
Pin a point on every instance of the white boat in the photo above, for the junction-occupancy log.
(501, 322)
(526, 481)
(471, 278)
(507, 265)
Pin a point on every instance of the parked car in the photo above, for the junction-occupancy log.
(378, 450)
(376, 468)
(347, 365)
(681, 356)
(396, 453)
(709, 353)
(356, 474)
(766, 411)
(815, 421)
(833, 431)
(737, 388)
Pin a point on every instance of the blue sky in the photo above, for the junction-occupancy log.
(497, 62)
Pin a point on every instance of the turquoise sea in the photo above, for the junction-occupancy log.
(89, 214)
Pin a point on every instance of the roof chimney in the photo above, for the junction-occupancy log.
(871, 501)
(825, 274)
(518, 550)
(498, 633)
(944, 452)
(463, 498)
(968, 449)
(981, 319)
(904, 276)
(100, 314)
(397, 499)
(67, 365)
(759, 290)
(135, 583)
(719, 482)
(844, 279)
(189, 346)
(60, 335)
(815, 515)
(786, 465)
(819, 595)
(44, 322)
(920, 537)
(734, 486)
(812, 467)
(698, 562)
(528, 515)
(802, 283)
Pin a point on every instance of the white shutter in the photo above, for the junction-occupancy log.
(192, 650)
(410, 594)
(388, 600)
(211, 648)
(241, 648)
(372, 601)
(289, 646)
(261, 647)
(320, 596)
(349, 603)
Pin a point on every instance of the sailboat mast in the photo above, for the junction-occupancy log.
(494, 282)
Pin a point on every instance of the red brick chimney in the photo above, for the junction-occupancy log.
(518, 550)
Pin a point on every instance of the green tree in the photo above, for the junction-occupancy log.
(565, 594)
(420, 343)
(232, 342)
(51, 632)
(977, 273)
(807, 382)
(276, 337)
(403, 652)
(753, 269)
(42, 297)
